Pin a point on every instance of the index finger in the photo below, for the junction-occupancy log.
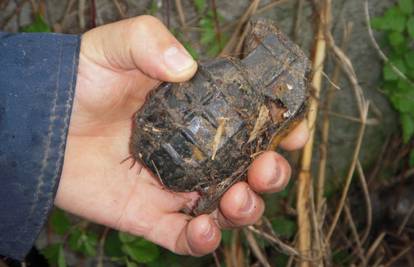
(297, 138)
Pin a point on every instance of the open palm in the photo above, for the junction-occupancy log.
(119, 64)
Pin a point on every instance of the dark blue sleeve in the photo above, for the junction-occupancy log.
(37, 83)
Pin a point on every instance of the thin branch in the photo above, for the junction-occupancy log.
(399, 255)
(181, 15)
(216, 259)
(269, 6)
(93, 13)
(60, 25)
(17, 11)
(378, 48)
(349, 70)
(118, 7)
(81, 14)
(101, 253)
(405, 220)
(256, 249)
(374, 246)
(304, 180)
(297, 20)
(334, 85)
(216, 22)
(231, 44)
(370, 121)
(286, 249)
(317, 245)
(350, 173)
(355, 234)
(259, 10)
(167, 10)
(320, 190)
(367, 198)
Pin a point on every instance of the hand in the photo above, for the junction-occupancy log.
(119, 64)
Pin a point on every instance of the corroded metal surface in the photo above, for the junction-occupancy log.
(202, 135)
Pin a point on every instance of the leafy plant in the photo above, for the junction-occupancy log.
(208, 36)
(397, 24)
(137, 249)
(38, 25)
(82, 239)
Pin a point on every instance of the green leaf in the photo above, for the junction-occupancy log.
(131, 264)
(84, 242)
(394, 20)
(403, 102)
(169, 259)
(191, 50)
(126, 238)
(411, 161)
(207, 37)
(74, 240)
(410, 26)
(406, 89)
(407, 123)
(113, 245)
(409, 59)
(38, 25)
(200, 5)
(396, 39)
(406, 6)
(226, 236)
(59, 221)
(153, 8)
(281, 260)
(378, 23)
(341, 257)
(55, 254)
(141, 250)
(90, 243)
(284, 227)
(389, 74)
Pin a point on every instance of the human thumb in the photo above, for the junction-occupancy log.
(142, 43)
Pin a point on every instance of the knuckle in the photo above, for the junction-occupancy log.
(146, 22)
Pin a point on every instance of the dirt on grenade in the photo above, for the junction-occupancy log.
(202, 135)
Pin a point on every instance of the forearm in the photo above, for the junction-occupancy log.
(37, 83)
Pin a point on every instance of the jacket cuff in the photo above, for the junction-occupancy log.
(37, 86)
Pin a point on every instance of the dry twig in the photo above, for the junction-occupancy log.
(286, 249)
(367, 198)
(81, 14)
(350, 173)
(304, 179)
(101, 252)
(235, 38)
(405, 220)
(181, 14)
(320, 190)
(297, 20)
(118, 6)
(374, 246)
(16, 12)
(399, 255)
(261, 257)
(354, 231)
(216, 22)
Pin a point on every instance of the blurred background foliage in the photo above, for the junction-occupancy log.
(205, 30)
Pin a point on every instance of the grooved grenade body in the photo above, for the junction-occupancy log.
(201, 135)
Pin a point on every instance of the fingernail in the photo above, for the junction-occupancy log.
(247, 205)
(208, 232)
(177, 59)
(276, 179)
